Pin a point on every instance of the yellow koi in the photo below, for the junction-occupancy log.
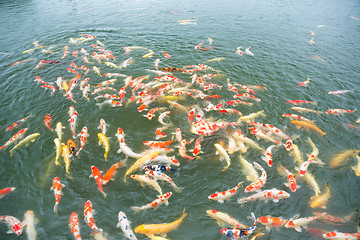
(298, 157)
(140, 161)
(58, 130)
(321, 200)
(223, 155)
(251, 116)
(356, 168)
(65, 152)
(104, 141)
(248, 169)
(159, 229)
(96, 70)
(65, 86)
(307, 125)
(340, 158)
(25, 141)
(149, 54)
(309, 179)
(58, 146)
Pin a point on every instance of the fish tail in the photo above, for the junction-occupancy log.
(2, 147)
(56, 207)
(242, 200)
(11, 152)
(136, 209)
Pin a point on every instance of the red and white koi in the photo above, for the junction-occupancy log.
(157, 144)
(111, 172)
(237, 102)
(263, 135)
(13, 223)
(305, 83)
(246, 88)
(156, 63)
(304, 166)
(47, 121)
(101, 89)
(73, 121)
(238, 51)
(51, 87)
(108, 96)
(66, 51)
(123, 147)
(17, 123)
(231, 87)
(339, 111)
(96, 174)
(272, 194)
(298, 102)
(112, 103)
(291, 178)
(14, 138)
(341, 236)
(5, 191)
(163, 199)
(163, 159)
(56, 187)
(114, 75)
(89, 216)
(83, 137)
(267, 157)
(162, 116)
(159, 132)
(182, 150)
(197, 148)
(166, 54)
(39, 80)
(269, 221)
(260, 182)
(152, 111)
(199, 45)
(339, 92)
(74, 225)
(85, 91)
(297, 117)
(225, 195)
(102, 126)
(205, 128)
(106, 83)
(160, 176)
(296, 223)
(246, 96)
(325, 217)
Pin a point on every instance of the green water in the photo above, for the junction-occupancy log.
(278, 33)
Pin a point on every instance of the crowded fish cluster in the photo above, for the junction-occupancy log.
(211, 104)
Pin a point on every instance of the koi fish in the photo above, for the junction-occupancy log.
(339, 235)
(17, 123)
(25, 141)
(356, 168)
(65, 153)
(146, 157)
(58, 130)
(238, 50)
(301, 109)
(124, 223)
(96, 174)
(321, 200)
(96, 70)
(104, 141)
(163, 199)
(74, 225)
(159, 229)
(307, 125)
(225, 195)
(248, 169)
(102, 126)
(47, 121)
(296, 223)
(106, 83)
(339, 158)
(164, 160)
(247, 51)
(149, 54)
(57, 186)
(83, 137)
(197, 148)
(111, 172)
(260, 182)
(144, 179)
(246, 96)
(224, 219)
(339, 92)
(251, 116)
(13, 223)
(223, 155)
(297, 102)
(14, 138)
(29, 223)
(309, 179)
(123, 147)
(72, 147)
(291, 178)
(269, 221)
(236, 233)
(89, 217)
(199, 45)
(6, 191)
(273, 194)
(159, 176)
(73, 121)
(305, 83)
(324, 216)
(205, 49)
(259, 134)
(303, 167)
(159, 168)
(297, 117)
(267, 157)
(339, 111)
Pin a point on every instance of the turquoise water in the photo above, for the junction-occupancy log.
(278, 33)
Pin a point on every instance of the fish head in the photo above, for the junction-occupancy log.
(141, 229)
(263, 219)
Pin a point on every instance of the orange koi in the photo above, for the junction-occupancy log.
(74, 225)
(57, 186)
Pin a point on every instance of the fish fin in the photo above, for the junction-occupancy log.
(10, 231)
(221, 223)
(52, 188)
(287, 184)
(136, 209)
(298, 229)
(24, 223)
(275, 200)
(220, 201)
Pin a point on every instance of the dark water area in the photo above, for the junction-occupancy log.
(279, 33)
